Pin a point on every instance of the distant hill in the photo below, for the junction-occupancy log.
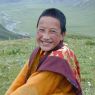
(9, 1)
(5, 34)
(66, 2)
(80, 15)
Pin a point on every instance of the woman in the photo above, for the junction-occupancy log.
(53, 68)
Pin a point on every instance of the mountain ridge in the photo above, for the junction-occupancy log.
(6, 35)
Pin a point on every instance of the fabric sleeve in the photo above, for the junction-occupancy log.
(40, 83)
(19, 81)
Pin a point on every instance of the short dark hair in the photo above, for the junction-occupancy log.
(53, 12)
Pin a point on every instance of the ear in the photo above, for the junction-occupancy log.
(62, 35)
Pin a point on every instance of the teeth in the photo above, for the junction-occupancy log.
(45, 43)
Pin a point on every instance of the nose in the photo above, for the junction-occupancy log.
(46, 35)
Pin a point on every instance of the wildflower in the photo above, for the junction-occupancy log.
(89, 83)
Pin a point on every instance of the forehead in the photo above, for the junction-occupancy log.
(49, 21)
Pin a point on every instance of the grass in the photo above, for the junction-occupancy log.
(14, 53)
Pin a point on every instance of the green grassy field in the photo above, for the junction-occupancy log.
(14, 53)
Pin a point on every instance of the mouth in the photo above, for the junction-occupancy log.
(46, 43)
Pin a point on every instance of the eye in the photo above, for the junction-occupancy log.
(41, 30)
(53, 31)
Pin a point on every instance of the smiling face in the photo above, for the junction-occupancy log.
(48, 33)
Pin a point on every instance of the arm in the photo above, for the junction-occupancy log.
(39, 83)
(19, 81)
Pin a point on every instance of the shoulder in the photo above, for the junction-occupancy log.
(63, 52)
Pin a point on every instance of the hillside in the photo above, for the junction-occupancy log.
(79, 13)
(81, 3)
(5, 34)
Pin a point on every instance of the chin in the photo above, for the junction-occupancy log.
(46, 49)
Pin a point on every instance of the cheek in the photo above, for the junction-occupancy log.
(55, 38)
(38, 36)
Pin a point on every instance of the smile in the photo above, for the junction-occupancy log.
(46, 42)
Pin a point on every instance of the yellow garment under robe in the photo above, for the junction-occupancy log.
(40, 83)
